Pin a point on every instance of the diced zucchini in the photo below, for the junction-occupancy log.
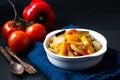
(96, 45)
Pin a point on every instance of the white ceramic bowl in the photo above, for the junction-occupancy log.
(79, 62)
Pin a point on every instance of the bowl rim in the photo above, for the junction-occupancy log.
(98, 53)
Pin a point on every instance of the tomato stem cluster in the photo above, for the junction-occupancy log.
(19, 32)
(17, 18)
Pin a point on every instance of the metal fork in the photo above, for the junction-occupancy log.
(28, 68)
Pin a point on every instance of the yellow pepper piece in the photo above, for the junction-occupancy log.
(67, 36)
(63, 49)
(85, 41)
(76, 43)
(90, 49)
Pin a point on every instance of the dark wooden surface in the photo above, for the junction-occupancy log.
(100, 15)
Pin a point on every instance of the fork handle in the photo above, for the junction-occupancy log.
(6, 55)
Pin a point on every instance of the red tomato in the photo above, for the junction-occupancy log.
(18, 41)
(36, 32)
(8, 27)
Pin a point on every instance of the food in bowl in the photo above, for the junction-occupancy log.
(76, 62)
(73, 43)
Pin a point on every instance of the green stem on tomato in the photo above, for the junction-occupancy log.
(22, 21)
(15, 17)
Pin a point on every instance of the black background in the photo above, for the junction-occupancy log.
(100, 15)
